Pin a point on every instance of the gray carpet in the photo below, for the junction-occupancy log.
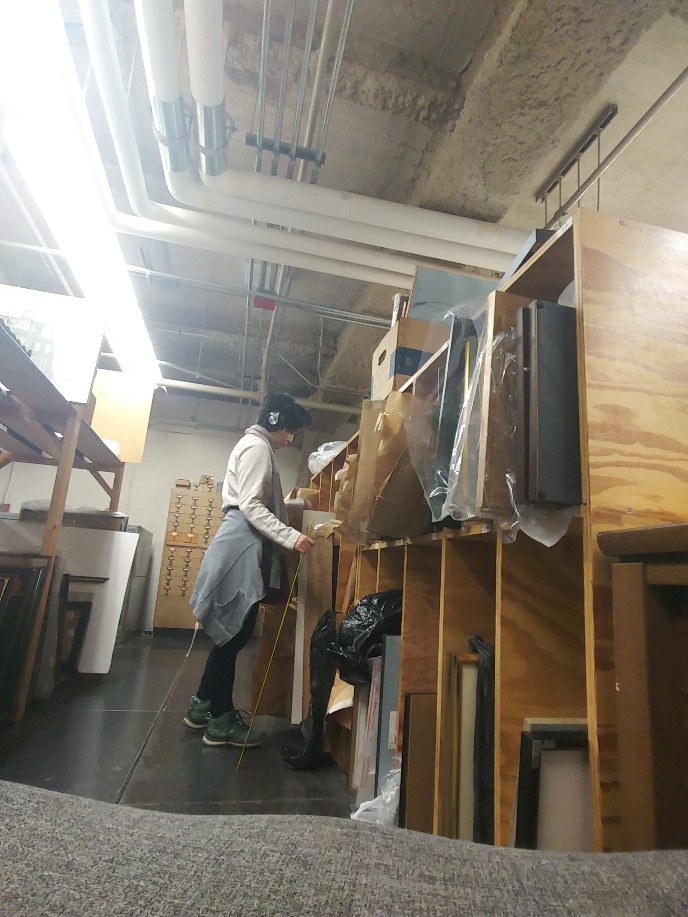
(61, 855)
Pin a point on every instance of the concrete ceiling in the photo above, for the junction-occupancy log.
(463, 107)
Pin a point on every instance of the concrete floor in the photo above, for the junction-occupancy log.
(120, 738)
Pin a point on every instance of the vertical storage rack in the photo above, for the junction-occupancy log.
(549, 610)
(39, 426)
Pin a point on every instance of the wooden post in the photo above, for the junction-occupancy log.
(116, 489)
(51, 535)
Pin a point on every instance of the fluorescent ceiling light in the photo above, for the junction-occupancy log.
(51, 140)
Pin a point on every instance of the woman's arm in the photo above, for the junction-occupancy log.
(254, 480)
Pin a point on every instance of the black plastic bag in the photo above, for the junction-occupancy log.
(483, 748)
(361, 633)
(323, 668)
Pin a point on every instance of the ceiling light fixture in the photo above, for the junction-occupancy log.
(43, 132)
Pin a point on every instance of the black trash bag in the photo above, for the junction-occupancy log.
(323, 669)
(361, 633)
(483, 748)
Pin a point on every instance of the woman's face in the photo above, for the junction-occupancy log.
(281, 438)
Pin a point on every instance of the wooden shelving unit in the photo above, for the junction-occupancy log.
(549, 610)
(39, 426)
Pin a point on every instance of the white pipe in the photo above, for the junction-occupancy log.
(186, 188)
(210, 241)
(99, 33)
(205, 44)
(159, 48)
(271, 190)
(255, 397)
(223, 235)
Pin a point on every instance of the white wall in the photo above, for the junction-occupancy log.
(181, 443)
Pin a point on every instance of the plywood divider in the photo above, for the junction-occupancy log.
(391, 569)
(632, 284)
(420, 625)
(467, 608)
(367, 572)
(540, 651)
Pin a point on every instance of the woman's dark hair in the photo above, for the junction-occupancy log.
(280, 412)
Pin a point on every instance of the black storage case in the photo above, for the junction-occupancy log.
(548, 436)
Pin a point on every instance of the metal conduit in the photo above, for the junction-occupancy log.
(301, 94)
(279, 117)
(318, 82)
(262, 85)
(333, 88)
(620, 147)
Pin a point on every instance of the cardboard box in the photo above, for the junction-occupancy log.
(404, 349)
(388, 500)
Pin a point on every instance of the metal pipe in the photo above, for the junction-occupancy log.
(262, 80)
(155, 20)
(301, 93)
(220, 391)
(177, 225)
(237, 202)
(336, 67)
(279, 117)
(99, 33)
(621, 146)
(328, 35)
(206, 54)
(329, 312)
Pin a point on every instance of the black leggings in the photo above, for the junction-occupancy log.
(217, 683)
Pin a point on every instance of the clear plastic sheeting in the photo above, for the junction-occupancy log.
(323, 455)
(464, 429)
(444, 429)
(384, 809)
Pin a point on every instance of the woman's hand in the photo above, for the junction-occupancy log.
(304, 544)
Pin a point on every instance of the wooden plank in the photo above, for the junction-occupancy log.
(467, 608)
(391, 569)
(549, 271)
(346, 580)
(540, 658)
(92, 447)
(21, 422)
(647, 540)
(424, 384)
(675, 574)
(116, 491)
(316, 578)
(650, 645)
(51, 534)
(632, 288)
(417, 766)
(420, 624)
(101, 480)
(19, 450)
(53, 524)
(26, 381)
(367, 573)
(636, 755)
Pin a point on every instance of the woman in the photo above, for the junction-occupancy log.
(243, 563)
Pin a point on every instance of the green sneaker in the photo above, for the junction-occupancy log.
(198, 714)
(230, 729)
